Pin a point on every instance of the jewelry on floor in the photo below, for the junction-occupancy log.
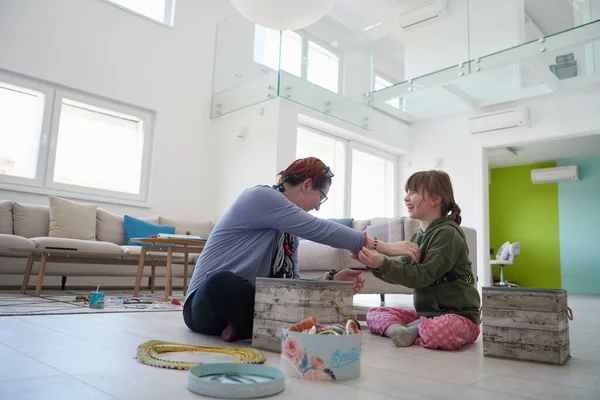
(149, 354)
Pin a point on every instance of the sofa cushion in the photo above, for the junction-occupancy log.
(80, 245)
(381, 232)
(6, 217)
(410, 226)
(201, 229)
(136, 228)
(315, 256)
(110, 227)
(12, 241)
(361, 224)
(72, 219)
(395, 230)
(31, 220)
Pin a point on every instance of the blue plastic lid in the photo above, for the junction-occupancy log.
(235, 381)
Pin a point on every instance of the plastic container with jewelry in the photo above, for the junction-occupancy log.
(325, 353)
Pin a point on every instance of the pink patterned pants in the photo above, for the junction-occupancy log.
(446, 332)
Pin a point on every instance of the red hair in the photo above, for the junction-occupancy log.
(306, 168)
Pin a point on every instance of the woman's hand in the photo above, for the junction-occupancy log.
(404, 248)
(371, 258)
(351, 275)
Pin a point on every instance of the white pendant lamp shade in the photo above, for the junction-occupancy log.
(283, 15)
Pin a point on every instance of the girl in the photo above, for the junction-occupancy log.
(446, 301)
(258, 237)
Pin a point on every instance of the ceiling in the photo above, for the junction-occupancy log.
(560, 149)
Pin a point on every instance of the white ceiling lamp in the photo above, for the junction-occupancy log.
(283, 15)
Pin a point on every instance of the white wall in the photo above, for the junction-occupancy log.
(463, 156)
(244, 162)
(95, 47)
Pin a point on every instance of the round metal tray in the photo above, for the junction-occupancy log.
(235, 381)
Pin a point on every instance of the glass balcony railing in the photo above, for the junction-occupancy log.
(474, 54)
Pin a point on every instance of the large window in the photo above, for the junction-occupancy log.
(60, 141)
(370, 189)
(373, 184)
(332, 152)
(299, 55)
(158, 10)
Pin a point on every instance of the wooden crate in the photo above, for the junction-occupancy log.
(526, 324)
(282, 302)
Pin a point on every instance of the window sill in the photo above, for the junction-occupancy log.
(74, 195)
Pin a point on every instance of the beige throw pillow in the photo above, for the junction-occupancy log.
(71, 219)
(31, 220)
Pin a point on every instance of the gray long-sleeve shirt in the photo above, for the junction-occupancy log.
(244, 241)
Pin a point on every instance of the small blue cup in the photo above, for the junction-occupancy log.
(96, 300)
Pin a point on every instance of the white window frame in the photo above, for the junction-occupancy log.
(306, 37)
(43, 183)
(168, 22)
(309, 38)
(349, 146)
(42, 159)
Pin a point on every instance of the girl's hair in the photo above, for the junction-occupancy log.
(306, 168)
(436, 182)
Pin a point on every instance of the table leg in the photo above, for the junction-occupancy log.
(169, 274)
(38, 287)
(140, 271)
(27, 274)
(185, 273)
(153, 276)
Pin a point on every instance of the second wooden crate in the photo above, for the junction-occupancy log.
(526, 324)
(280, 303)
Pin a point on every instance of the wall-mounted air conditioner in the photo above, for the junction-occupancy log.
(500, 120)
(554, 175)
(427, 11)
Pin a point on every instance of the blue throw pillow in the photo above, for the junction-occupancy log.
(344, 221)
(136, 228)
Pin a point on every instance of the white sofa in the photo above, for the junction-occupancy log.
(315, 259)
(28, 226)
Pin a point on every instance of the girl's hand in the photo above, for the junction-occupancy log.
(350, 275)
(404, 248)
(370, 258)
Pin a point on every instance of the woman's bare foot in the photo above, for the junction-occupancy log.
(403, 335)
(229, 334)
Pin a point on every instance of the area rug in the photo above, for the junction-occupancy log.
(65, 302)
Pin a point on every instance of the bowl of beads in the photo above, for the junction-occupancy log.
(313, 351)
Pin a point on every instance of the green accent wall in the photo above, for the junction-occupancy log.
(526, 213)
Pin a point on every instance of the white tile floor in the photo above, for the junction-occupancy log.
(93, 357)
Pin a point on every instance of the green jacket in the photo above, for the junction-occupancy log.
(443, 279)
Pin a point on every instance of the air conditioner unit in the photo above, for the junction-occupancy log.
(500, 120)
(427, 11)
(553, 175)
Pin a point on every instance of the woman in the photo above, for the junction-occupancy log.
(258, 237)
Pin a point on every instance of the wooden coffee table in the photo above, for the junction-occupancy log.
(170, 246)
(79, 257)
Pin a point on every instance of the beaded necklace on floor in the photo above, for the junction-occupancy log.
(149, 354)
